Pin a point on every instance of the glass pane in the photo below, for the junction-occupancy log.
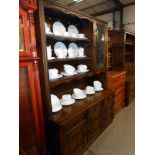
(100, 45)
(21, 35)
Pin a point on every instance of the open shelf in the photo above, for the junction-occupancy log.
(65, 38)
(73, 110)
(130, 43)
(68, 59)
(67, 79)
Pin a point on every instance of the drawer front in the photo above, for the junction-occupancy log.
(118, 78)
(119, 97)
(119, 90)
(118, 106)
(74, 122)
(118, 85)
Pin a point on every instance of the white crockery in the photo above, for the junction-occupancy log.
(58, 28)
(97, 85)
(81, 35)
(67, 34)
(60, 50)
(81, 52)
(89, 90)
(56, 106)
(73, 50)
(73, 30)
(67, 100)
(69, 69)
(47, 28)
(53, 72)
(78, 92)
(82, 96)
(82, 68)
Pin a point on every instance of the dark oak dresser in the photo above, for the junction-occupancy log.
(71, 130)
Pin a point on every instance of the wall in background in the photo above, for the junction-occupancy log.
(128, 18)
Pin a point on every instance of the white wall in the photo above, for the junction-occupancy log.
(128, 18)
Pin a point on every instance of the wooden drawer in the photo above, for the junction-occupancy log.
(117, 85)
(117, 107)
(119, 90)
(74, 122)
(117, 78)
(119, 97)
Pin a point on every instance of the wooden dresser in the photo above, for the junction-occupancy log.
(129, 90)
(73, 129)
(116, 82)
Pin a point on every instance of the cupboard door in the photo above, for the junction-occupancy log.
(107, 113)
(75, 139)
(93, 120)
(28, 115)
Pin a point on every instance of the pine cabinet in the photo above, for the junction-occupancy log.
(116, 82)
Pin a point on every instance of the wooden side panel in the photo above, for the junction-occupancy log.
(28, 124)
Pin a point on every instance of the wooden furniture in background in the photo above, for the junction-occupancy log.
(72, 129)
(109, 57)
(129, 90)
(123, 50)
(116, 82)
(31, 119)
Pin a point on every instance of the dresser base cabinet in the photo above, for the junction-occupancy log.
(116, 82)
(129, 90)
(73, 135)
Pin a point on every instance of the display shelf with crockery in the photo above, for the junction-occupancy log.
(95, 58)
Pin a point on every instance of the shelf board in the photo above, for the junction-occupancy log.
(64, 38)
(67, 79)
(130, 43)
(68, 59)
(129, 54)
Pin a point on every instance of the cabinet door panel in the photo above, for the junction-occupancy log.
(93, 125)
(75, 139)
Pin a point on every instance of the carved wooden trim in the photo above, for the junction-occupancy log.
(32, 33)
(29, 4)
(67, 10)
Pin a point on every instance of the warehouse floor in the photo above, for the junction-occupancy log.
(119, 137)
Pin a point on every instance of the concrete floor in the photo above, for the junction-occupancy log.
(119, 137)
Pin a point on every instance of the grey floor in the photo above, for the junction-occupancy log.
(119, 137)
